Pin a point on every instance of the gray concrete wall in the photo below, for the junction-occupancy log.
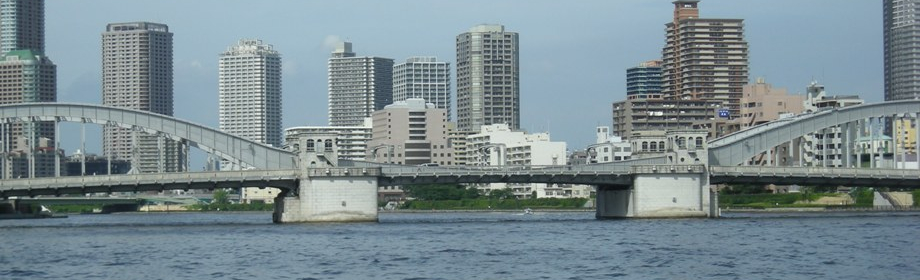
(332, 199)
(658, 195)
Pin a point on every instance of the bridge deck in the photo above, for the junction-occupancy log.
(284, 179)
(904, 178)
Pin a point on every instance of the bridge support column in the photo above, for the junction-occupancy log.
(327, 193)
(330, 199)
(668, 194)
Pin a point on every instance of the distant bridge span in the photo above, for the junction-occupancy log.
(211, 140)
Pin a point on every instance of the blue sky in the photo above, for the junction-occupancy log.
(573, 53)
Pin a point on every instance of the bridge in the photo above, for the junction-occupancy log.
(316, 186)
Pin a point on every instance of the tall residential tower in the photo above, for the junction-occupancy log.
(28, 76)
(488, 82)
(644, 81)
(137, 73)
(704, 59)
(22, 25)
(423, 77)
(358, 86)
(902, 38)
(250, 92)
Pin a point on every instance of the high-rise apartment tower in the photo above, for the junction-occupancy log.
(137, 73)
(644, 81)
(358, 86)
(28, 76)
(704, 58)
(488, 82)
(902, 47)
(250, 92)
(22, 25)
(423, 77)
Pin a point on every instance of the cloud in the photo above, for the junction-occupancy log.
(330, 42)
(196, 64)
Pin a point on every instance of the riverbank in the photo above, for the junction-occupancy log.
(408, 211)
(819, 209)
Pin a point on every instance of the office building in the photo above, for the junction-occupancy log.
(250, 92)
(358, 86)
(410, 132)
(425, 78)
(704, 59)
(22, 25)
(901, 32)
(488, 78)
(644, 81)
(137, 73)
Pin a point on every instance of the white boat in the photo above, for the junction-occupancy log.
(527, 211)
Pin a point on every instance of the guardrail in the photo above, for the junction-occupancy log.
(343, 171)
(152, 178)
(814, 171)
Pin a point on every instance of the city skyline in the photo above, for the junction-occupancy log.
(786, 53)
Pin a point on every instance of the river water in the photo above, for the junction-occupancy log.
(462, 246)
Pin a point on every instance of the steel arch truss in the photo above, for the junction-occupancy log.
(736, 148)
(225, 145)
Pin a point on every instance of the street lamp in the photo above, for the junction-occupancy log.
(484, 150)
(389, 152)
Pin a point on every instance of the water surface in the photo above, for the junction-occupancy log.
(462, 246)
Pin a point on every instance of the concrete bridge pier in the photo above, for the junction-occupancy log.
(330, 199)
(327, 193)
(658, 192)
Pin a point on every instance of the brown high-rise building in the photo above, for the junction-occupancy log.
(704, 59)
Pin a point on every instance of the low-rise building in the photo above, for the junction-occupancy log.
(352, 141)
(762, 103)
(608, 148)
(93, 165)
(634, 115)
(498, 145)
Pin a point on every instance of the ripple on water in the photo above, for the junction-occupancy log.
(23, 273)
(461, 246)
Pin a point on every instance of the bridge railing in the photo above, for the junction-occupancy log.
(150, 178)
(505, 169)
(667, 168)
(343, 171)
(814, 171)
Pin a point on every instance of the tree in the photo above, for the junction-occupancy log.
(220, 197)
(440, 192)
(505, 193)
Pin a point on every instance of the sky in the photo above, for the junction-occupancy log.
(573, 54)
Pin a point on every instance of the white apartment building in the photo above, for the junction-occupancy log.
(826, 147)
(498, 145)
(351, 141)
(608, 148)
(250, 92)
(423, 77)
(137, 73)
(358, 86)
